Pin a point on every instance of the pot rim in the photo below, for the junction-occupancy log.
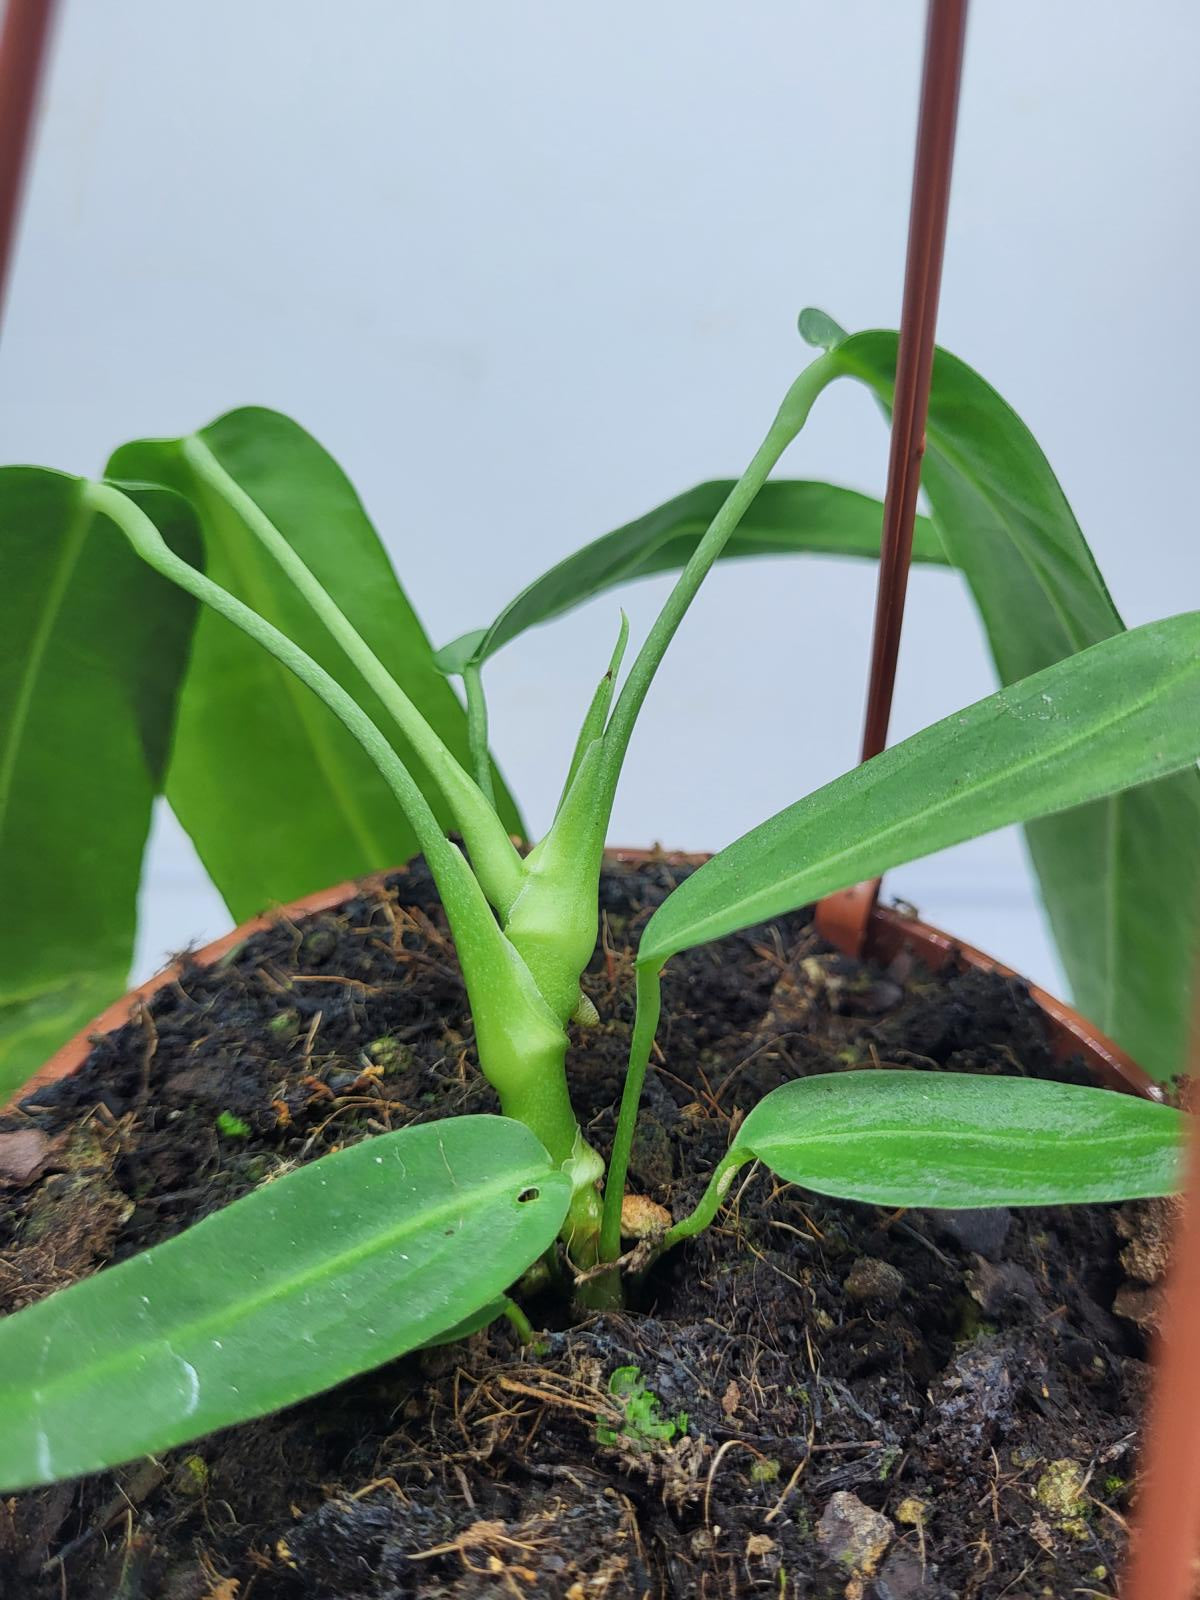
(890, 934)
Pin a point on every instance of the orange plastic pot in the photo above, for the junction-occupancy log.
(890, 936)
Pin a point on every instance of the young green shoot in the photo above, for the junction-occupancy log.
(424, 1231)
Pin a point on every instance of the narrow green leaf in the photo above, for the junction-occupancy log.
(92, 649)
(784, 519)
(955, 1140)
(483, 1318)
(324, 1273)
(1121, 880)
(277, 797)
(1118, 714)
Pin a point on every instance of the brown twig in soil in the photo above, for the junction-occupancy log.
(776, 957)
(310, 1037)
(759, 1256)
(332, 977)
(789, 1486)
(730, 1444)
(910, 1232)
(271, 981)
(489, 1536)
(549, 1397)
(767, 1045)
(664, 1072)
(144, 1019)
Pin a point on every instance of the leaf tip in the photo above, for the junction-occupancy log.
(818, 329)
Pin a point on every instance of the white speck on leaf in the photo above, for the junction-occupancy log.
(192, 1380)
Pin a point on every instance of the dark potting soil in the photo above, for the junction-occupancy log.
(891, 1407)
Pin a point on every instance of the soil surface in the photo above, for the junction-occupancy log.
(890, 1407)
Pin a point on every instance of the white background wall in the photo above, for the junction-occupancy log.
(528, 269)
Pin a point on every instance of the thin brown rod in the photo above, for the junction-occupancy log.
(941, 77)
(1167, 1525)
(23, 48)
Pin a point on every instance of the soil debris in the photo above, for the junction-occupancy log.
(815, 1367)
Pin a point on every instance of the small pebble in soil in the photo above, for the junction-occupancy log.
(1003, 1289)
(853, 1534)
(643, 1218)
(874, 1282)
(904, 1576)
(24, 1156)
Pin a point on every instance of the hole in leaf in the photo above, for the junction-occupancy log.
(527, 1195)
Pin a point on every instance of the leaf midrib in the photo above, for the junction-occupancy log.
(926, 1138)
(284, 1288)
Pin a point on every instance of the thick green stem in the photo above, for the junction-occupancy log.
(553, 920)
(538, 1095)
(534, 1091)
(492, 852)
(645, 1025)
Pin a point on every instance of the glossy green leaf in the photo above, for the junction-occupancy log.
(92, 649)
(957, 1140)
(477, 1321)
(277, 797)
(1120, 880)
(1118, 714)
(784, 519)
(333, 1269)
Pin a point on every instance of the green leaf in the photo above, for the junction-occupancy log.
(92, 649)
(277, 797)
(959, 1141)
(1120, 880)
(1120, 713)
(483, 1318)
(329, 1271)
(784, 519)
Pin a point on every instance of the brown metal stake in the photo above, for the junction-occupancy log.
(23, 49)
(1167, 1522)
(844, 918)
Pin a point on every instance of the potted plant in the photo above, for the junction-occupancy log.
(675, 1381)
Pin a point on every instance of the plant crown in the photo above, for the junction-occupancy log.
(417, 1236)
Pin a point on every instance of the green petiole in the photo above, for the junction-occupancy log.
(492, 852)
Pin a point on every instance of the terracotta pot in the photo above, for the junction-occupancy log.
(890, 936)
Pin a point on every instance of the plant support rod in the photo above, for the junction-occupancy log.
(1167, 1528)
(843, 918)
(23, 48)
